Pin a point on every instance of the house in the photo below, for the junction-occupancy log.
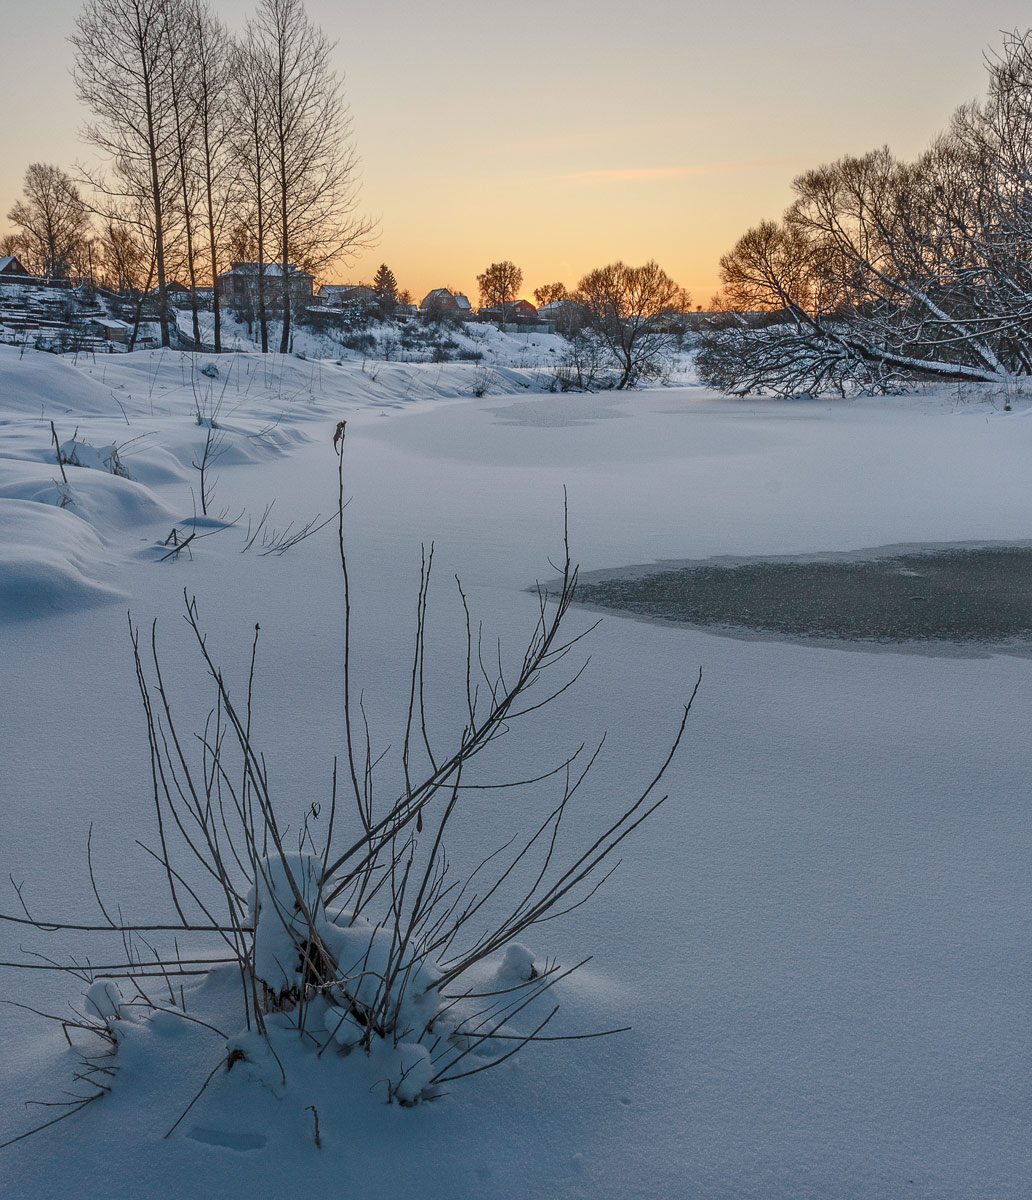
(239, 285)
(443, 300)
(176, 291)
(520, 310)
(565, 316)
(512, 311)
(558, 309)
(342, 295)
(111, 330)
(12, 271)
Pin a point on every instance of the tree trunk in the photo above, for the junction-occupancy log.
(284, 253)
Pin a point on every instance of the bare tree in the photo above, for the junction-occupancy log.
(125, 259)
(885, 271)
(499, 285)
(633, 311)
(549, 293)
(12, 244)
(183, 85)
(54, 222)
(122, 75)
(311, 156)
(250, 75)
(215, 162)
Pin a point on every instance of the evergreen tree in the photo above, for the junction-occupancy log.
(384, 283)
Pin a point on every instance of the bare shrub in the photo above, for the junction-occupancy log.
(366, 938)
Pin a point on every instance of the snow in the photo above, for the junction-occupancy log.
(820, 941)
(50, 559)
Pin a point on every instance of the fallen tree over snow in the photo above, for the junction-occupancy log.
(883, 272)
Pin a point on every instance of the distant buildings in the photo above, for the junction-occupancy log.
(343, 295)
(442, 300)
(511, 310)
(240, 284)
(111, 330)
(11, 270)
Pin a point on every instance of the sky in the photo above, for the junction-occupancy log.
(567, 134)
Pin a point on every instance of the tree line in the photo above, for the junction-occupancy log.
(883, 271)
(217, 147)
(627, 315)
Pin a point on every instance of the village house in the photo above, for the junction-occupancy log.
(12, 271)
(341, 295)
(515, 311)
(239, 285)
(443, 300)
(112, 330)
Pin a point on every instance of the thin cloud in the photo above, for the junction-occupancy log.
(620, 174)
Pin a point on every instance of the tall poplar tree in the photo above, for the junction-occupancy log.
(122, 74)
(310, 153)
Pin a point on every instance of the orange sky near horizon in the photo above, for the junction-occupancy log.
(566, 134)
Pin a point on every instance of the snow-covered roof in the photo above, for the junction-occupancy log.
(448, 298)
(557, 306)
(272, 269)
(345, 289)
(7, 262)
(111, 323)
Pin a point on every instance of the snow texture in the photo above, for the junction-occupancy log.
(821, 941)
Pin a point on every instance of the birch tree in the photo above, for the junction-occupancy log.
(250, 76)
(311, 157)
(122, 75)
(214, 159)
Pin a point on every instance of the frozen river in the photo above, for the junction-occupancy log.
(821, 940)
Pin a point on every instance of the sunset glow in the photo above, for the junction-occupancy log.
(565, 136)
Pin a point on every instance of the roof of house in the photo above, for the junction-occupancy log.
(357, 290)
(6, 263)
(443, 295)
(272, 269)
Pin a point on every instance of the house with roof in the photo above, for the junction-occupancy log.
(12, 271)
(444, 300)
(343, 295)
(111, 330)
(240, 284)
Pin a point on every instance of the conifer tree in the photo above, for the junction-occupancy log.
(384, 283)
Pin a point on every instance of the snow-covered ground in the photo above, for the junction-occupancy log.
(821, 941)
(399, 341)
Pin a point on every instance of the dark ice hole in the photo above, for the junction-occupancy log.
(959, 594)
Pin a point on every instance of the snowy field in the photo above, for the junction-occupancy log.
(821, 940)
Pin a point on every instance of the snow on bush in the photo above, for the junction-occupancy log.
(76, 453)
(370, 948)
